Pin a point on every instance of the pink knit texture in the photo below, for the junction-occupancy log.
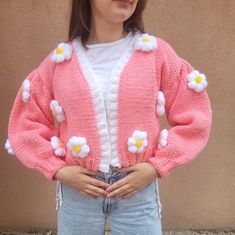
(31, 125)
(188, 113)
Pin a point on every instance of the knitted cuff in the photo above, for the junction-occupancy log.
(165, 161)
(49, 166)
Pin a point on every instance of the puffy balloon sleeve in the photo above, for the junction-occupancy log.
(184, 100)
(31, 127)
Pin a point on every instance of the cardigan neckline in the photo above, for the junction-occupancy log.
(119, 65)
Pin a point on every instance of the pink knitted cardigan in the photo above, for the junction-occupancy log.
(58, 115)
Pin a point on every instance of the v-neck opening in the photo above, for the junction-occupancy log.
(127, 50)
(106, 125)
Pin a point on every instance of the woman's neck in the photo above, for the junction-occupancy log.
(103, 32)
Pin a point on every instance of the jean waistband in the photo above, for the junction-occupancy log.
(112, 176)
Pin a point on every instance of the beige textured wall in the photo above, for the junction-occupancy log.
(198, 195)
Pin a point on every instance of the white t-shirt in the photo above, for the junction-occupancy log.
(103, 57)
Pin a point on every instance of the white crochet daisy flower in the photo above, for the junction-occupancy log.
(57, 110)
(146, 42)
(58, 146)
(78, 146)
(62, 52)
(197, 81)
(9, 148)
(162, 140)
(25, 90)
(160, 109)
(137, 142)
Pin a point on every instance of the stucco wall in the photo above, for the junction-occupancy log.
(198, 195)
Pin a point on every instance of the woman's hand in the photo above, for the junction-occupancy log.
(140, 175)
(78, 178)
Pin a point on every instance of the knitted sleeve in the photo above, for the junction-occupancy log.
(188, 111)
(30, 127)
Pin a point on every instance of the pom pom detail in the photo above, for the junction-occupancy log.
(137, 142)
(58, 146)
(160, 108)
(57, 111)
(146, 42)
(162, 140)
(62, 52)
(197, 81)
(9, 148)
(25, 90)
(78, 146)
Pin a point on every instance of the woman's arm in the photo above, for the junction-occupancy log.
(188, 111)
(31, 127)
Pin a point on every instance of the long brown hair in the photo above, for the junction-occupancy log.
(81, 16)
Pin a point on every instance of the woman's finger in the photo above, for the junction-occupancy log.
(123, 181)
(86, 171)
(97, 190)
(119, 191)
(129, 194)
(97, 182)
(86, 194)
(92, 193)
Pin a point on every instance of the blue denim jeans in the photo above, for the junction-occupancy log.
(78, 214)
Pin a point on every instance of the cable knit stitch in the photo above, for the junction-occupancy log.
(138, 76)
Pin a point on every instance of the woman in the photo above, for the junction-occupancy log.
(106, 89)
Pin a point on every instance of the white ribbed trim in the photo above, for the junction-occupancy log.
(97, 98)
(112, 99)
(108, 138)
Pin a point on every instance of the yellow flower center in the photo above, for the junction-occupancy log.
(54, 112)
(59, 50)
(146, 40)
(198, 79)
(77, 148)
(138, 143)
(61, 145)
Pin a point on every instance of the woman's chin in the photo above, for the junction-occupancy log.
(121, 15)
